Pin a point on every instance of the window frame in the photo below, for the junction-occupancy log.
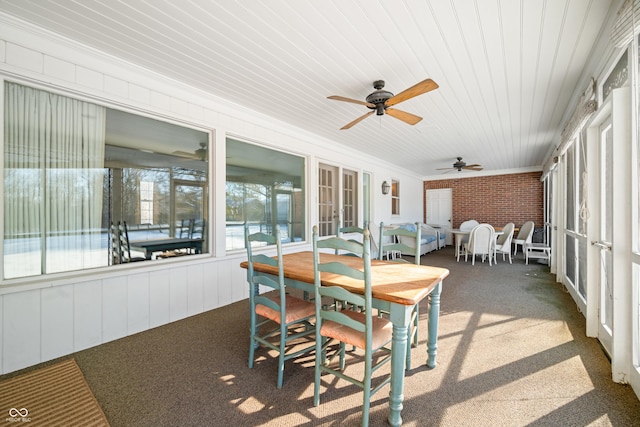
(395, 196)
(109, 107)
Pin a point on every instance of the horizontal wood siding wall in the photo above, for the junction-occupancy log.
(496, 199)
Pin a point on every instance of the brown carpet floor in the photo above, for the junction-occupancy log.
(512, 351)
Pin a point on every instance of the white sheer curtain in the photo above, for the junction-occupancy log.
(54, 157)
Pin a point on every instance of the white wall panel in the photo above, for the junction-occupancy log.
(89, 78)
(178, 107)
(238, 281)
(210, 283)
(160, 100)
(57, 321)
(159, 298)
(87, 314)
(195, 290)
(59, 69)
(114, 308)
(24, 58)
(178, 294)
(139, 94)
(225, 284)
(137, 303)
(21, 330)
(117, 87)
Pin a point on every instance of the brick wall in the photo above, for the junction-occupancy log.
(496, 200)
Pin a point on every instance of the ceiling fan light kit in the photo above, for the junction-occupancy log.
(459, 165)
(380, 100)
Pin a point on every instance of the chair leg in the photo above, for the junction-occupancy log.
(283, 339)
(320, 358)
(253, 344)
(366, 398)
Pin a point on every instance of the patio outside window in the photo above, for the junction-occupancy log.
(72, 168)
(265, 187)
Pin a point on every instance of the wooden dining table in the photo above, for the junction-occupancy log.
(396, 288)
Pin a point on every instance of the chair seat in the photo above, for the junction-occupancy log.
(381, 332)
(296, 309)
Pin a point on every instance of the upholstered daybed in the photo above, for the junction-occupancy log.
(428, 237)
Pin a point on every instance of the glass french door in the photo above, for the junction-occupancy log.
(327, 199)
(605, 234)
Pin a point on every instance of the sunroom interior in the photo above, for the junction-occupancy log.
(214, 139)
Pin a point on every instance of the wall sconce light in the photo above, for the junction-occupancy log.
(385, 187)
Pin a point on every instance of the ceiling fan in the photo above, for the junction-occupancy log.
(459, 165)
(381, 100)
(199, 154)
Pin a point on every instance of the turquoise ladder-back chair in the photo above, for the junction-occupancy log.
(363, 330)
(289, 316)
(391, 240)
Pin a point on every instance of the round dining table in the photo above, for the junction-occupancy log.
(459, 236)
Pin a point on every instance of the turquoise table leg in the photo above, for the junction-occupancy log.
(434, 315)
(401, 318)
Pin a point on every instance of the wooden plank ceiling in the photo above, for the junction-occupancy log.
(507, 69)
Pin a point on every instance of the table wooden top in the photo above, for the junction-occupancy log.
(396, 282)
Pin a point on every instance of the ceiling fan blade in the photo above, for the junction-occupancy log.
(356, 121)
(471, 168)
(409, 118)
(415, 90)
(475, 165)
(354, 101)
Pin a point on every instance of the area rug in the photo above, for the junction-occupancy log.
(57, 395)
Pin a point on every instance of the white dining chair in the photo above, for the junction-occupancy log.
(524, 236)
(461, 240)
(503, 242)
(481, 242)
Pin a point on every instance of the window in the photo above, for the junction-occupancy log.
(395, 197)
(349, 198)
(366, 198)
(331, 208)
(328, 202)
(72, 168)
(264, 188)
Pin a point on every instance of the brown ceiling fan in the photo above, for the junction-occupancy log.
(381, 100)
(199, 154)
(460, 165)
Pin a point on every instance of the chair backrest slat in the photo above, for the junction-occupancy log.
(338, 293)
(256, 278)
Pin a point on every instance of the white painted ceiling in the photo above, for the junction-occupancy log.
(508, 70)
